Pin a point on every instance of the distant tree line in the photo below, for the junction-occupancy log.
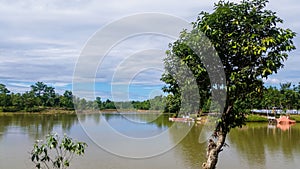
(37, 99)
(285, 96)
(42, 96)
(157, 103)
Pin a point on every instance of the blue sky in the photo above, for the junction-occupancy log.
(42, 40)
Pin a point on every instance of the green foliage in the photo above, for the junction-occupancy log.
(42, 97)
(37, 99)
(67, 100)
(144, 105)
(3, 89)
(285, 97)
(4, 97)
(250, 45)
(56, 153)
(256, 118)
(158, 103)
(172, 104)
(108, 104)
(45, 94)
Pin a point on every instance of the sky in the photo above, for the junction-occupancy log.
(42, 40)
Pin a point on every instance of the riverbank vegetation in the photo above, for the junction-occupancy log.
(43, 98)
(39, 98)
(285, 96)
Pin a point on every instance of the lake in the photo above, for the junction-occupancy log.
(146, 141)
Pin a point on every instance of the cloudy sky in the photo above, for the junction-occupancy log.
(41, 40)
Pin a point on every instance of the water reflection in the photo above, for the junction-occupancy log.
(136, 125)
(159, 120)
(258, 145)
(35, 125)
(135, 135)
(190, 150)
(284, 127)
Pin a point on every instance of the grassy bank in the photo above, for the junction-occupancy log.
(44, 111)
(295, 117)
(260, 118)
(256, 118)
(66, 111)
(250, 117)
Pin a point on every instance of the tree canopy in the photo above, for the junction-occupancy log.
(250, 45)
(37, 99)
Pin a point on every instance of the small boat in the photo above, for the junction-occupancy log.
(182, 119)
(285, 120)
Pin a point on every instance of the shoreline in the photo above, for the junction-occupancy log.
(64, 111)
(250, 117)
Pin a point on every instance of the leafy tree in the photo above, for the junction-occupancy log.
(251, 47)
(3, 89)
(144, 105)
(271, 98)
(45, 93)
(157, 103)
(296, 102)
(56, 153)
(4, 97)
(286, 94)
(17, 102)
(81, 104)
(108, 104)
(99, 103)
(172, 104)
(285, 97)
(92, 105)
(30, 102)
(66, 100)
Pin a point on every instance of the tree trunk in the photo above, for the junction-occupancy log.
(213, 150)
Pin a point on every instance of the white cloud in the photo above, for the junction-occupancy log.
(132, 57)
(41, 40)
(272, 81)
(24, 85)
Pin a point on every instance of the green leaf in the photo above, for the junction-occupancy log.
(66, 163)
(55, 158)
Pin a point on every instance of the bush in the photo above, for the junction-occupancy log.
(11, 109)
(55, 152)
(34, 109)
